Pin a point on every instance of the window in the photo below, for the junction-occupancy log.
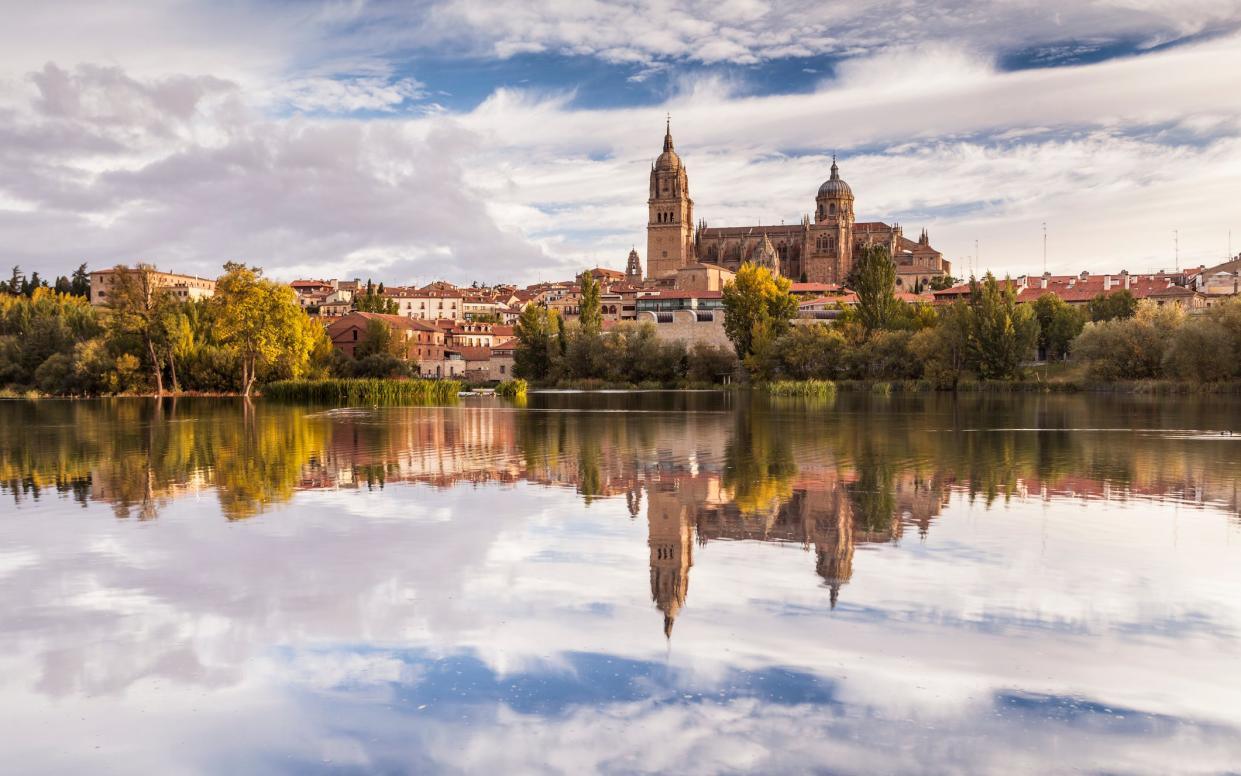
(355, 335)
(501, 368)
(832, 209)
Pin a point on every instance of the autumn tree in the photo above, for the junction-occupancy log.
(758, 309)
(261, 323)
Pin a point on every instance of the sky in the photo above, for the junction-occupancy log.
(506, 141)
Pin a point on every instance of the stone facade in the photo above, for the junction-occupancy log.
(184, 287)
(818, 249)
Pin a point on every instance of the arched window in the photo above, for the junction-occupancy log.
(832, 209)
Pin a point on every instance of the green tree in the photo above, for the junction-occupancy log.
(1001, 332)
(260, 322)
(943, 349)
(1058, 324)
(79, 283)
(1118, 305)
(380, 339)
(758, 309)
(139, 310)
(590, 315)
(873, 279)
(375, 302)
(1130, 348)
(535, 332)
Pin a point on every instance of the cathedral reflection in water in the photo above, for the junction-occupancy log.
(699, 469)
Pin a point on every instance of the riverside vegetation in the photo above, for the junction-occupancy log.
(252, 333)
(989, 337)
(581, 354)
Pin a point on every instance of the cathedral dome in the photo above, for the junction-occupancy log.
(668, 160)
(834, 186)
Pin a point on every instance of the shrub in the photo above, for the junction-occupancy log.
(512, 389)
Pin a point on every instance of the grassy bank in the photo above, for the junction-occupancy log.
(888, 387)
(364, 391)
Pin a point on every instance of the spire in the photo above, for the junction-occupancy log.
(835, 169)
(668, 133)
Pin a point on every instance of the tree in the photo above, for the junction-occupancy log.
(1001, 332)
(16, 282)
(873, 279)
(534, 331)
(139, 307)
(79, 284)
(380, 339)
(1140, 347)
(944, 348)
(590, 316)
(1058, 323)
(260, 322)
(1117, 305)
(375, 302)
(940, 282)
(757, 308)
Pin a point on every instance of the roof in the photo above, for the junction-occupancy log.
(846, 298)
(755, 231)
(473, 352)
(406, 292)
(814, 288)
(671, 294)
(396, 321)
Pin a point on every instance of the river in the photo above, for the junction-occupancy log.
(623, 583)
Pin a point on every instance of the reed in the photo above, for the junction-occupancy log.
(811, 388)
(512, 389)
(364, 391)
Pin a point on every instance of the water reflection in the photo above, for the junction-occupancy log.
(908, 584)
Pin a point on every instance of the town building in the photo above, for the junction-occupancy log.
(184, 287)
(1159, 287)
(422, 342)
(429, 303)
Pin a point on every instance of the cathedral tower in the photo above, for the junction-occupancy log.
(671, 539)
(670, 222)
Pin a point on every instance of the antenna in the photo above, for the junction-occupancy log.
(1176, 242)
(1044, 247)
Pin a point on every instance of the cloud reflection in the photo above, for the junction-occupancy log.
(705, 584)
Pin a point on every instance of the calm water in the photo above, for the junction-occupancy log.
(651, 583)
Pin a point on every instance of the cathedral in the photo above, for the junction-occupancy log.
(818, 249)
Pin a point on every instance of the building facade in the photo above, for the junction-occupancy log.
(184, 287)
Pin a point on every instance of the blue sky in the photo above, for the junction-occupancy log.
(502, 140)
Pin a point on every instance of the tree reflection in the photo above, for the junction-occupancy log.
(827, 476)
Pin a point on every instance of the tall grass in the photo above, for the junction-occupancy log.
(512, 389)
(364, 391)
(810, 388)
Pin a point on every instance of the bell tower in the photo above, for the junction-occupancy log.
(670, 222)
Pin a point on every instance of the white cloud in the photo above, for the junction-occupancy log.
(109, 154)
